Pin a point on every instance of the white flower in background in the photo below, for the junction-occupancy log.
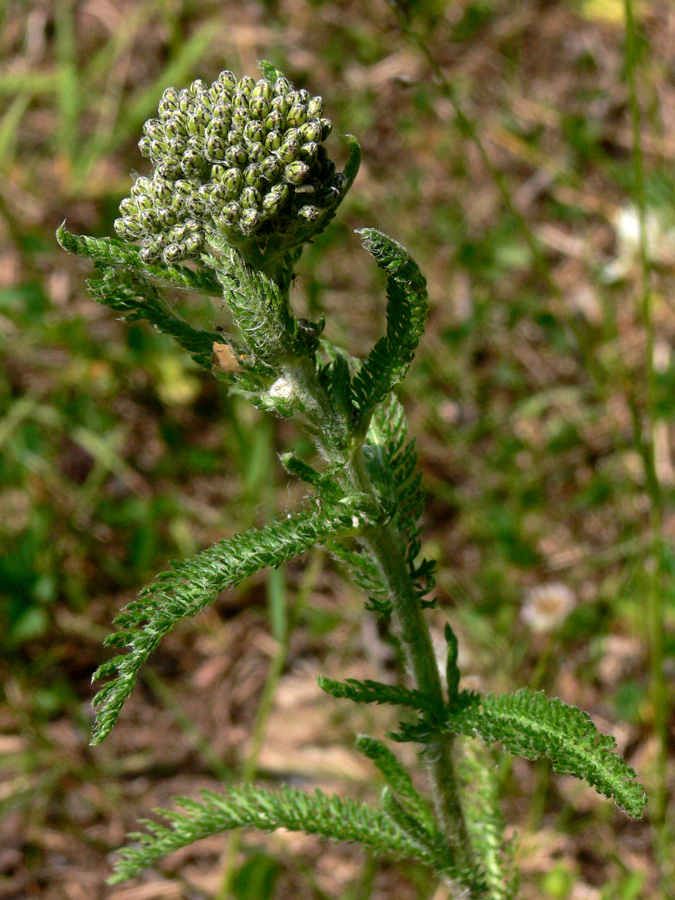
(547, 605)
(660, 243)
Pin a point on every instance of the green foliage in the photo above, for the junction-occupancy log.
(318, 813)
(484, 819)
(193, 584)
(391, 356)
(533, 726)
(369, 498)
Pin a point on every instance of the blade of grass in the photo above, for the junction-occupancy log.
(645, 444)
(69, 92)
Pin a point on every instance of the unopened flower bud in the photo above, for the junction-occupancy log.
(252, 175)
(297, 172)
(240, 100)
(172, 253)
(289, 150)
(250, 198)
(254, 131)
(270, 168)
(246, 84)
(281, 105)
(215, 147)
(312, 131)
(296, 115)
(236, 155)
(240, 116)
(259, 107)
(250, 221)
(193, 244)
(315, 107)
(233, 181)
(309, 213)
(228, 80)
(282, 86)
(169, 102)
(273, 140)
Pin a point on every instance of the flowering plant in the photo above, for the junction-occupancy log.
(241, 181)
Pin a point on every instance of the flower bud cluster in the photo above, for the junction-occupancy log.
(240, 159)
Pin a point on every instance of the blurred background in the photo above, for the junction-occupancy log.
(501, 147)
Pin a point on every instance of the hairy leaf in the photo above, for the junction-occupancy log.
(532, 725)
(407, 308)
(191, 585)
(317, 813)
(120, 255)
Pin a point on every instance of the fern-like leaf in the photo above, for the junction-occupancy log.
(317, 813)
(406, 316)
(399, 780)
(191, 585)
(119, 255)
(484, 819)
(137, 298)
(376, 692)
(533, 726)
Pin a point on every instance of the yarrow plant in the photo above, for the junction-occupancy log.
(241, 181)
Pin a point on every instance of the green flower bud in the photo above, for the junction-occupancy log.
(240, 116)
(281, 105)
(140, 187)
(240, 100)
(149, 253)
(147, 220)
(177, 234)
(222, 115)
(273, 140)
(312, 131)
(127, 229)
(182, 189)
(196, 205)
(297, 172)
(172, 253)
(230, 213)
(228, 80)
(252, 175)
(246, 85)
(144, 145)
(254, 131)
(327, 127)
(259, 107)
(169, 169)
(310, 213)
(128, 207)
(275, 121)
(315, 108)
(166, 217)
(233, 181)
(282, 86)
(270, 168)
(304, 96)
(193, 244)
(250, 221)
(256, 152)
(169, 102)
(262, 90)
(185, 101)
(175, 130)
(215, 147)
(289, 150)
(309, 151)
(218, 195)
(197, 87)
(250, 198)
(275, 199)
(236, 155)
(154, 129)
(297, 115)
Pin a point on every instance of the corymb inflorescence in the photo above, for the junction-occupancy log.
(240, 160)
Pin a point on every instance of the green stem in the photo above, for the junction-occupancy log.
(645, 444)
